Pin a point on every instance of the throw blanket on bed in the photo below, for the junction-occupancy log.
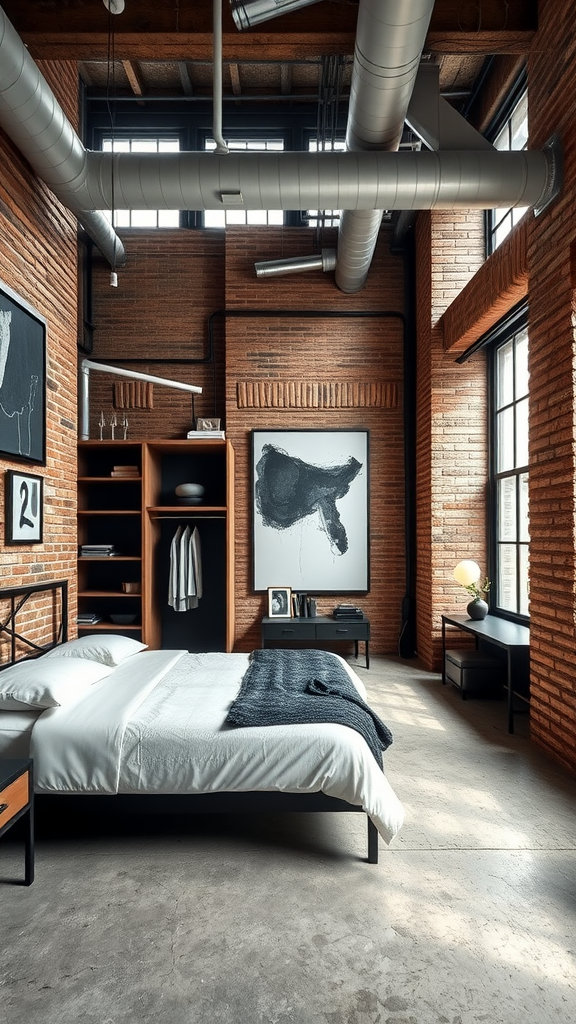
(284, 687)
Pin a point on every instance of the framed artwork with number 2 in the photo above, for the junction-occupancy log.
(24, 508)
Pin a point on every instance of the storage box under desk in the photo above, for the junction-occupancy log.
(474, 671)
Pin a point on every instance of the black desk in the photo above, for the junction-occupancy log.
(322, 627)
(510, 637)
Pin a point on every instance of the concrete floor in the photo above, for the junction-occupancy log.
(469, 917)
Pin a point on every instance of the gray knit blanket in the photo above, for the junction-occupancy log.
(286, 687)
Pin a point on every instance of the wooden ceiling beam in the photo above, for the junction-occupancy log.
(199, 46)
(133, 75)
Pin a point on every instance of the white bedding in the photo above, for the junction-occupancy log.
(156, 725)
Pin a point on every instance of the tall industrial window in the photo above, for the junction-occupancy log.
(143, 218)
(510, 386)
(220, 218)
(512, 134)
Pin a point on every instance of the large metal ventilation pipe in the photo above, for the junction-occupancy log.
(390, 37)
(426, 180)
(32, 117)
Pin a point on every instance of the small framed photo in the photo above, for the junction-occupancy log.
(24, 508)
(279, 602)
(207, 423)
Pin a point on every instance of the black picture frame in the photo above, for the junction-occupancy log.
(22, 379)
(310, 510)
(24, 508)
(279, 603)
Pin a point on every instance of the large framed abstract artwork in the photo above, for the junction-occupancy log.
(22, 379)
(310, 505)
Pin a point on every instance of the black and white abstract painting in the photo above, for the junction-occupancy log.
(22, 379)
(310, 492)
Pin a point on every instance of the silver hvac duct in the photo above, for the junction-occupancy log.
(402, 180)
(326, 260)
(247, 13)
(390, 37)
(32, 117)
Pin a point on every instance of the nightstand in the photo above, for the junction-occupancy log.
(323, 628)
(17, 800)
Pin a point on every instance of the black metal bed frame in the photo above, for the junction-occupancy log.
(152, 803)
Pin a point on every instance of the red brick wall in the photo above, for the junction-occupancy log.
(160, 312)
(330, 350)
(451, 431)
(552, 410)
(38, 260)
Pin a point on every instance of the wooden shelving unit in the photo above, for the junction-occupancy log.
(139, 515)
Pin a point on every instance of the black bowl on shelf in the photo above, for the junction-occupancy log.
(123, 620)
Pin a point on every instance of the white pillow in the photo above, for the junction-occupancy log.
(47, 684)
(106, 648)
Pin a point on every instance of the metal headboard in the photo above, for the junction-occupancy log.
(17, 598)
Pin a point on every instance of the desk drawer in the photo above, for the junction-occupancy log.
(342, 630)
(13, 798)
(287, 631)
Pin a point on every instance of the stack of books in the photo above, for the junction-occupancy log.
(88, 618)
(347, 611)
(204, 435)
(303, 606)
(125, 471)
(97, 550)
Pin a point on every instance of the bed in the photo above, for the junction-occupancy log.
(106, 719)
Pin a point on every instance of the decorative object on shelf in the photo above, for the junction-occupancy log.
(22, 379)
(310, 494)
(24, 508)
(113, 425)
(467, 573)
(279, 602)
(101, 425)
(131, 588)
(189, 494)
(124, 425)
(123, 620)
(207, 423)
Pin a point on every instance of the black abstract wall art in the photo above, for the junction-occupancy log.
(310, 509)
(22, 379)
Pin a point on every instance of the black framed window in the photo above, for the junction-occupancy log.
(508, 360)
(509, 132)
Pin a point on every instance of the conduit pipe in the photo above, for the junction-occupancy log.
(326, 260)
(402, 180)
(84, 387)
(32, 117)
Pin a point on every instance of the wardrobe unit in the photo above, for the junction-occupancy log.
(133, 509)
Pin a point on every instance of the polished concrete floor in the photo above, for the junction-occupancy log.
(469, 917)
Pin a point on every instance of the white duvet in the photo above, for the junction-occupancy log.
(156, 725)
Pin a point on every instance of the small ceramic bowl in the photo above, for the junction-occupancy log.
(189, 491)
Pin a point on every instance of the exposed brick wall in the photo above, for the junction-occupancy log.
(171, 285)
(451, 439)
(277, 348)
(38, 260)
(552, 409)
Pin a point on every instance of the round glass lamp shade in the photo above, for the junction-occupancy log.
(467, 572)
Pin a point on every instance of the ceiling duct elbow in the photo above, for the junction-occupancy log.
(326, 260)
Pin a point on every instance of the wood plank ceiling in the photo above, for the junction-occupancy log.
(165, 48)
